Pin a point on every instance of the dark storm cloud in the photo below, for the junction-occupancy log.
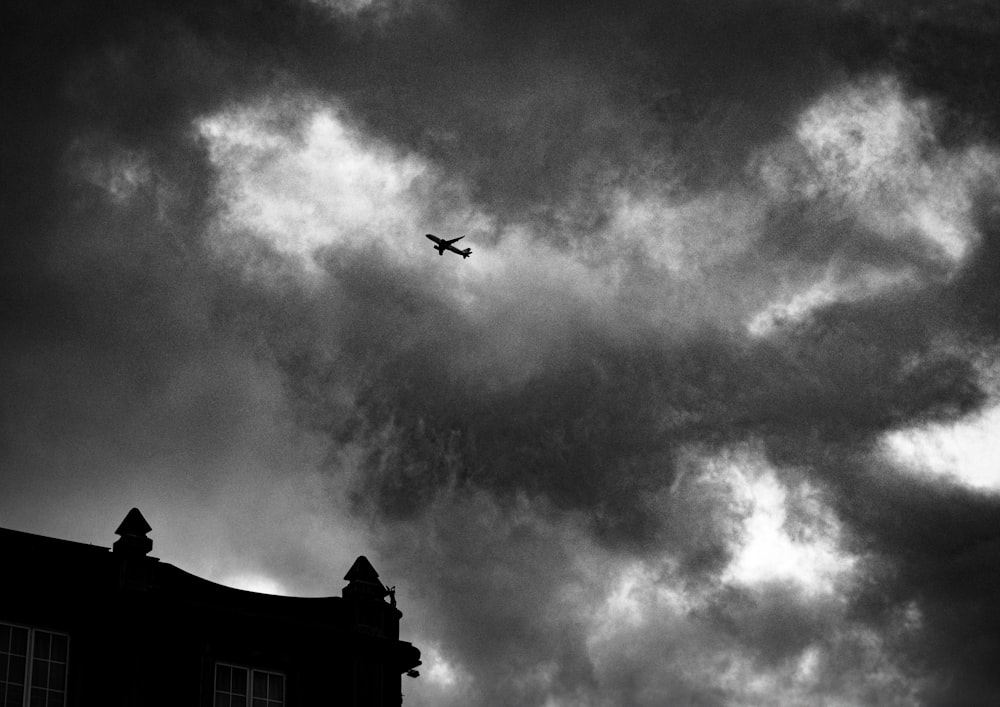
(931, 547)
(599, 424)
(544, 109)
(596, 433)
(126, 338)
(975, 294)
(122, 385)
(930, 544)
(946, 52)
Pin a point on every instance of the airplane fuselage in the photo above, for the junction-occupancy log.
(443, 245)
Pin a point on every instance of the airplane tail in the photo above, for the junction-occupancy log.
(466, 253)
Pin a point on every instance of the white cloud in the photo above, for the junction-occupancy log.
(769, 551)
(325, 185)
(779, 535)
(437, 669)
(869, 152)
(328, 185)
(871, 145)
(656, 628)
(380, 10)
(966, 452)
(636, 594)
(786, 535)
(686, 238)
(831, 288)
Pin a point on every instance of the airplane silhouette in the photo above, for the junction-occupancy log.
(443, 245)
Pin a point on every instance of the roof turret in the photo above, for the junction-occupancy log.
(132, 532)
(363, 581)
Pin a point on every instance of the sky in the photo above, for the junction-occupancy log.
(710, 417)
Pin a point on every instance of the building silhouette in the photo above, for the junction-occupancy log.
(81, 625)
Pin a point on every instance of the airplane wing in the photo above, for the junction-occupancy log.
(453, 240)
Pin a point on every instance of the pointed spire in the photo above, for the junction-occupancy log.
(134, 524)
(132, 532)
(363, 581)
(361, 571)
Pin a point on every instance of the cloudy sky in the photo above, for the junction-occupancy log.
(710, 417)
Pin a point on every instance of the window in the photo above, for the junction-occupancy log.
(32, 667)
(236, 686)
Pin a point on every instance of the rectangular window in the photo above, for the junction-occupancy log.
(237, 686)
(33, 666)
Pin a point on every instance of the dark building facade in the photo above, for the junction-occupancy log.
(81, 625)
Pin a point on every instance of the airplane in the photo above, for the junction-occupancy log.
(443, 245)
